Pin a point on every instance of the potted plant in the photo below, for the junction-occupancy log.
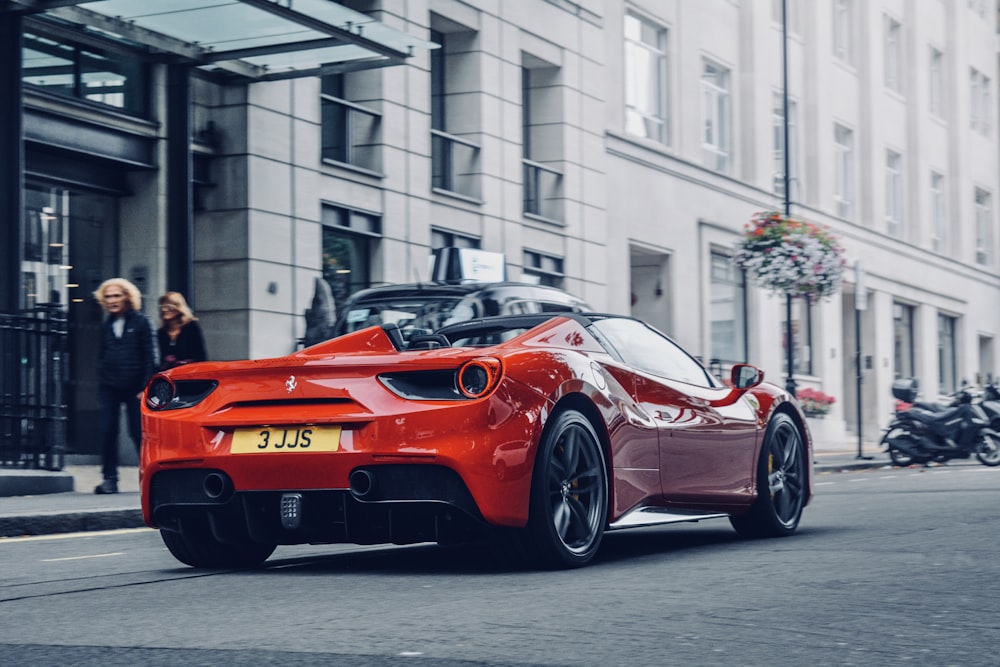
(791, 256)
(815, 403)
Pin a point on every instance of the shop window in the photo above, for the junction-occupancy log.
(947, 354)
(350, 240)
(728, 310)
(905, 353)
(802, 337)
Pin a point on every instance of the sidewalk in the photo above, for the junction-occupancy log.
(64, 501)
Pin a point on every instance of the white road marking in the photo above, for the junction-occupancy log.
(67, 536)
(59, 560)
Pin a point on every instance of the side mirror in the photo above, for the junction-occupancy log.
(745, 376)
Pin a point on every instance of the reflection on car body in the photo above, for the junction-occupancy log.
(540, 432)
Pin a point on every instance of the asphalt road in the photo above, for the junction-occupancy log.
(889, 567)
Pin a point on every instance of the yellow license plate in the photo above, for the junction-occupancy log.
(286, 439)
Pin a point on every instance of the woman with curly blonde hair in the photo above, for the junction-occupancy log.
(125, 360)
(179, 335)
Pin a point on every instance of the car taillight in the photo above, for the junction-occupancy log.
(159, 393)
(478, 377)
(162, 393)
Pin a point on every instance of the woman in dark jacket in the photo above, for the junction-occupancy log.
(179, 335)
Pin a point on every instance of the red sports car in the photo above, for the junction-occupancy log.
(539, 431)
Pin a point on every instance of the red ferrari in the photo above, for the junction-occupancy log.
(539, 431)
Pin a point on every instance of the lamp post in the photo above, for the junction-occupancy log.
(786, 178)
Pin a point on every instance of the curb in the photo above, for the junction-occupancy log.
(70, 522)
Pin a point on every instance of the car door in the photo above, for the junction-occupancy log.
(707, 432)
(707, 440)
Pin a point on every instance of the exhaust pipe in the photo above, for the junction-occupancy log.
(362, 483)
(214, 485)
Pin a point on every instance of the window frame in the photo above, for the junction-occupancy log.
(716, 113)
(844, 186)
(894, 193)
(656, 111)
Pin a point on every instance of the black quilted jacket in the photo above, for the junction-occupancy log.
(126, 363)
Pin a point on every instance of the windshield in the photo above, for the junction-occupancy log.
(411, 315)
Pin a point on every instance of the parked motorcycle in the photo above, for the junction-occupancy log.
(991, 404)
(925, 433)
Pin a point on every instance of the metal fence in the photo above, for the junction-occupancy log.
(34, 366)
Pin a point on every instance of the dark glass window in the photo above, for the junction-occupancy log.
(350, 239)
(86, 73)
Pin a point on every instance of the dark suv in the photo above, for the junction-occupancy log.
(422, 308)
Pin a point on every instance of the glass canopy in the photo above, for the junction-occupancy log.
(254, 39)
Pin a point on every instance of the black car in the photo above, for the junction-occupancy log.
(423, 307)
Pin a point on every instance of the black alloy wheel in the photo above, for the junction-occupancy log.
(781, 483)
(569, 494)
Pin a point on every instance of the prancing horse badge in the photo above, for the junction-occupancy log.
(290, 384)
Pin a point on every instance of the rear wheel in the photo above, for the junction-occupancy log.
(988, 450)
(781, 483)
(569, 494)
(898, 456)
(197, 547)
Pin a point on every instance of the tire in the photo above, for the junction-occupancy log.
(569, 494)
(900, 458)
(988, 450)
(196, 546)
(781, 483)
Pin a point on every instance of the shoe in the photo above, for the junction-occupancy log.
(106, 487)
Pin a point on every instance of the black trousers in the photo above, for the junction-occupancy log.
(110, 401)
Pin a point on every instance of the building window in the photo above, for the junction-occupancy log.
(802, 336)
(893, 55)
(86, 73)
(938, 229)
(454, 158)
(905, 354)
(716, 125)
(984, 228)
(442, 238)
(947, 354)
(728, 311)
(980, 105)
(646, 89)
(893, 193)
(778, 143)
(541, 107)
(935, 87)
(542, 269)
(843, 22)
(350, 240)
(843, 140)
(351, 132)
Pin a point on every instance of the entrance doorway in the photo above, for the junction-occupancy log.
(70, 247)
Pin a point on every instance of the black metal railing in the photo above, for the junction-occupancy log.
(34, 367)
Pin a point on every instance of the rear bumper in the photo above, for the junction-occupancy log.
(403, 504)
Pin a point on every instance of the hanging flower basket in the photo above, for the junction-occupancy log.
(791, 256)
(814, 403)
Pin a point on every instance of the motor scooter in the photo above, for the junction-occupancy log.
(923, 434)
